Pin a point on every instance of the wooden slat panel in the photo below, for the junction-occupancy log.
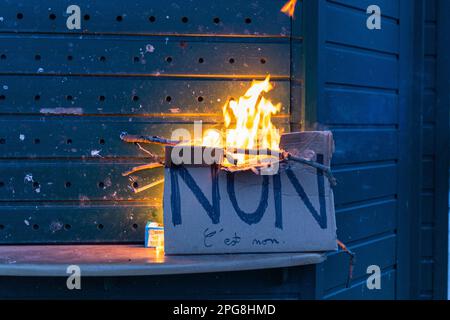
(430, 39)
(342, 18)
(428, 173)
(361, 68)
(360, 291)
(428, 140)
(359, 106)
(430, 73)
(388, 7)
(429, 104)
(149, 17)
(125, 95)
(373, 181)
(427, 207)
(74, 223)
(379, 252)
(366, 220)
(426, 275)
(426, 241)
(430, 10)
(136, 56)
(364, 145)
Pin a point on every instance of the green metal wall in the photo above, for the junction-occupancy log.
(145, 67)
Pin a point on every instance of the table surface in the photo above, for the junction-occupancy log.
(134, 260)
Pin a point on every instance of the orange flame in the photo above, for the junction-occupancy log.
(289, 8)
(248, 122)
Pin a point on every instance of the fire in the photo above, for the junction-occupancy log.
(289, 8)
(248, 122)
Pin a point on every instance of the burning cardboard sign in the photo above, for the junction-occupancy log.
(210, 210)
(252, 190)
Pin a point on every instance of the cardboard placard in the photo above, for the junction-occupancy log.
(208, 210)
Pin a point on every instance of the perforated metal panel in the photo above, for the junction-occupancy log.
(142, 67)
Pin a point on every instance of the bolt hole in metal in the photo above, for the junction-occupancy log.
(19, 16)
(2, 184)
(3, 57)
(185, 19)
(37, 97)
(52, 16)
(67, 226)
(100, 226)
(35, 227)
(68, 184)
(2, 97)
(101, 185)
(135, 226)
(37, 141)
(86, 17)
(152, 19)
(2, 227)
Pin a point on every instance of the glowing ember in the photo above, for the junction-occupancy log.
(289, 8)
(248, 124)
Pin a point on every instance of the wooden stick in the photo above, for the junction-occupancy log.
(143, 167)
(148, 186)
(147, 139)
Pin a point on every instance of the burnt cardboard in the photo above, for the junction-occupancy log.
(208, 210)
